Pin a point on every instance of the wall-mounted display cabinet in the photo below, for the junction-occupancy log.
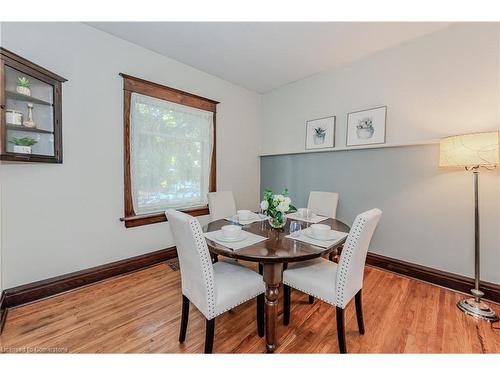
(30, 102)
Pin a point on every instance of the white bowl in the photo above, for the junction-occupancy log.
(244, 215)
(320, 230)
(231, 231)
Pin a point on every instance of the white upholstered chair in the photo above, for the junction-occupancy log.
(323, 203)
(332, 283)
(221, 204)
(212, 288)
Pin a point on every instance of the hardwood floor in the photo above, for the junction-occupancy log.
(140, 312)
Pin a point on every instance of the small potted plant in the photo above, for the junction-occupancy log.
(365, 129)
(319, 136)
(23, 145)
(23, 86)
(276, 206)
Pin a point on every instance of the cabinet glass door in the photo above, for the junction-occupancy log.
(29, 114)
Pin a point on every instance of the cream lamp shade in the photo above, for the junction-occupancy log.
(470, 150)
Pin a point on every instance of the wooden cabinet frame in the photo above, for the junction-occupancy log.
(19, 63)
(141, 86)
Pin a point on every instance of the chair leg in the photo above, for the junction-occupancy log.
(260, 315)
(359, 312)
(209, 336)
(287, 294)
(184, 318)
(311, 300)
(341, 330)
(261, 269)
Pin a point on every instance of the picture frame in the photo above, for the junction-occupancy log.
(366, 127)
(320, 133)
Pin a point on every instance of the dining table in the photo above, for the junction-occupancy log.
(273, 254)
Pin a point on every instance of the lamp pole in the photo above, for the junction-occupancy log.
(474, 306)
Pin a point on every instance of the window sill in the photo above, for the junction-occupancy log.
(158, 217)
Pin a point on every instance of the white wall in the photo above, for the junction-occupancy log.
(441, 84)
(62, 218)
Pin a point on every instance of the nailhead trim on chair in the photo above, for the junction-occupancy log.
(206, 263)
(237, 304)
(345, 259)
(310, 293)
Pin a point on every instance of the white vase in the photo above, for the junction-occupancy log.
(23, 90)
(29, 123)
(22, 149)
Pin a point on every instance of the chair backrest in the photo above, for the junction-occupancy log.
(323, 203)
(221, 204)
(352, 260)
(197, 273)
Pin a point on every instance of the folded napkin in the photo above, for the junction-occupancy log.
(250, 239)
(321, 243)
(314, 220)
(253, 219)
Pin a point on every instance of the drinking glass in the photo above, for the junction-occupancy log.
(295, 229)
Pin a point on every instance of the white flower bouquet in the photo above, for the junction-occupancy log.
(276, 206)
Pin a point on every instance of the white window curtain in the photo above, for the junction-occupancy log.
(171, 151)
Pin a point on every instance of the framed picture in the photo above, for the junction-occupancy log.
(320, 133)
(366, 127)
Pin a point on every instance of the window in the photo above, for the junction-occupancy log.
(169, 151)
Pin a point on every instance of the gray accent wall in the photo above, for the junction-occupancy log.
(427, 212)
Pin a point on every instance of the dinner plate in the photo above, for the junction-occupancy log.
(332, 235)
(221, 238)
(253, 217)
(297, 215)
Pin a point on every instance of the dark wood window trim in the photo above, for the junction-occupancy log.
(141, 86)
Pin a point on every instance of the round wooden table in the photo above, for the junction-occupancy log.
(273, 254)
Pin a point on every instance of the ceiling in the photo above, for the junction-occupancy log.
(262, 56)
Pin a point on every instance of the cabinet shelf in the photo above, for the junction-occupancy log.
(21, 128)
(25, 98)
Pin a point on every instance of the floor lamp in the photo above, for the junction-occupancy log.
(473, 151)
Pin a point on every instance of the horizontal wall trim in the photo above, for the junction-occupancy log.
(353, 148)
(434, 276)
(55, 285)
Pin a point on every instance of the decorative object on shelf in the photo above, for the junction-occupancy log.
(320, 133)
(13, 117)
(29, 123)
(366, 127)
(23, 145)
(472, 151)
(23, 86)
(276, 206)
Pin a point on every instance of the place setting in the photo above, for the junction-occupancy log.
(306, 214)
(245, 217)
(317, 234)
(233, 237)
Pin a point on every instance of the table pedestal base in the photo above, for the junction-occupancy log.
(273, 276)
